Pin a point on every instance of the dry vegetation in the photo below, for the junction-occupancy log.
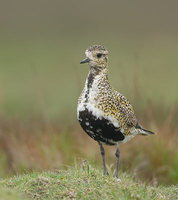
(39, 144)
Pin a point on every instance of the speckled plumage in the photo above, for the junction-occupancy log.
(105, 114)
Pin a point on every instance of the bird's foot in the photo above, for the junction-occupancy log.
(105, 173)
(116, 174)
(116, 177)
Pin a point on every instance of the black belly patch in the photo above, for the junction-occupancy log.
(99, 129)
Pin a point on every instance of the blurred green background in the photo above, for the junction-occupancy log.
(42, 43)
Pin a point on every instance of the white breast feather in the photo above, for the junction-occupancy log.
(90, 104)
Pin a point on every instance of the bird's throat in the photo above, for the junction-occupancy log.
(95, 73)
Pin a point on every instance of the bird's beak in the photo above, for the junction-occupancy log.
(86, 60)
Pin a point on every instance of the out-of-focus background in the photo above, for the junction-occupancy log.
(41, 45)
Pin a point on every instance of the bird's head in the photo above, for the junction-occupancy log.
(96, 56)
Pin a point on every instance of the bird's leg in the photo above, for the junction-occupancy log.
(103, 158)
(117, 154)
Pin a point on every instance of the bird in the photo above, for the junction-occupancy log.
(103, 113)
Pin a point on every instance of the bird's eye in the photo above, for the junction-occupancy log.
(99, 55)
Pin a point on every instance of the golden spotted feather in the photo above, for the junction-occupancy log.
(115, 104)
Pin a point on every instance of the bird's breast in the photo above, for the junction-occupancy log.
(98, 127)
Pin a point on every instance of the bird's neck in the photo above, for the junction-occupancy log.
(97, 73)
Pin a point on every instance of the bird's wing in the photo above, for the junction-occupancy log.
(126, 117)
(116, 105)
(125, 113)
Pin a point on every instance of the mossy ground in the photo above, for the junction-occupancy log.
(84, 182)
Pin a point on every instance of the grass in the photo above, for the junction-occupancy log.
(41, 79)
(40, 144)
(81, 182)
(10, 194)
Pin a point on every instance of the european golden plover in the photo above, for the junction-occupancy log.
(105, 114)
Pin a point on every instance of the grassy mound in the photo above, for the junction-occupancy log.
(84, 182)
